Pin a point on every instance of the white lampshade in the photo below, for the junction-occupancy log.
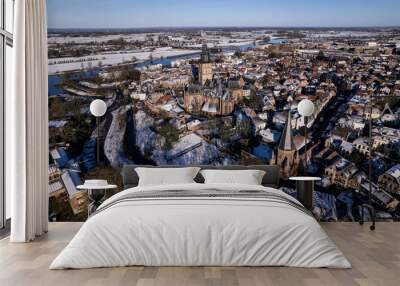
(98, 108)
(305, 107)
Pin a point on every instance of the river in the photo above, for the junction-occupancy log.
(55, 80)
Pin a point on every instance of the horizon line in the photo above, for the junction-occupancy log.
(226, 26)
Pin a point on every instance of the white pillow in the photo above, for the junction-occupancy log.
(166, 176)
(245, 177)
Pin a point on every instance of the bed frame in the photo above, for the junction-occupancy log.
(130, 178)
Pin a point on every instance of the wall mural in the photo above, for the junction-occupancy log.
(227, 96)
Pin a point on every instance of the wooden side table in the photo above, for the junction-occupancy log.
(305, 189)
(96, 195)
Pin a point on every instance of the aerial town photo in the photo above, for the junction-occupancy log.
(229, 96)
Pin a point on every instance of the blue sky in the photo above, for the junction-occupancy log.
(173, 13)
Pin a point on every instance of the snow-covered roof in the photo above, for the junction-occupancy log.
(361, 141)
(54, 187)
(210, 108)
(55, 154)
(69, 184)
(394, 171)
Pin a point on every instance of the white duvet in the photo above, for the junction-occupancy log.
(200, 231)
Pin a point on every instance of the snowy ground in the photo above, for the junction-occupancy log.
(226, 43)
(113, 145)
(60, 65)
(208, 35)
(59, 39)
(344, 34)
(189, 150)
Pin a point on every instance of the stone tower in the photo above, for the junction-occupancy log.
(287, 157)
(205, 66)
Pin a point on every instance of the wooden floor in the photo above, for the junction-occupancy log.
(375, 257)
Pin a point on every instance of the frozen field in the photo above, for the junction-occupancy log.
(60, 65)
(59, 39)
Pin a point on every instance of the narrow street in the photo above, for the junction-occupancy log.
(319, 130)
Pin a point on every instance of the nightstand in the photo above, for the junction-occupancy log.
(305, 189)
(96, 191)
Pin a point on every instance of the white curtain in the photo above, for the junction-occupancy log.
(27, 124)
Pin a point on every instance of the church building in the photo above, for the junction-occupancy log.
(205, 66)
(288, 157)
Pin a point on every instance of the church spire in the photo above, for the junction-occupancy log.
(286, 142)
(205, 54)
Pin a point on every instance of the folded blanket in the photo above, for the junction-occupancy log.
(207, 194)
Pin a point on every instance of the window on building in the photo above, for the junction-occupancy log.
(6, 44)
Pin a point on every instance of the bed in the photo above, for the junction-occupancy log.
(197, 224)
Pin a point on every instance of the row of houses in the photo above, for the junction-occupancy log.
(63, 179)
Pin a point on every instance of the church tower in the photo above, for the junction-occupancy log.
(287, 157)
(205, 66)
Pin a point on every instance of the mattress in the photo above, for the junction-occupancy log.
(201, 225)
